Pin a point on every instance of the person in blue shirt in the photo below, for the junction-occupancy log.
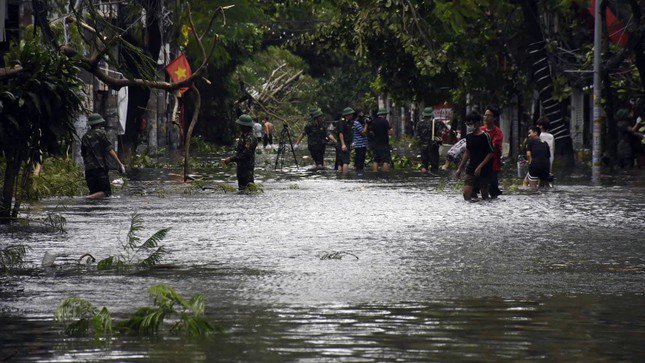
(359, 129)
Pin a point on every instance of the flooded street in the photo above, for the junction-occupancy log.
(559, 276)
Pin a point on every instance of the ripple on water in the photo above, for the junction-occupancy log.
(524, 277)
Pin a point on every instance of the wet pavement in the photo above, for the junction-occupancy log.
(554, 276)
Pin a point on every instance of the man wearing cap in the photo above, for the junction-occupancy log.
(95, 147)
(244, 152)
(317, 138)
(379, 133)
(344, 131)
(429, 134)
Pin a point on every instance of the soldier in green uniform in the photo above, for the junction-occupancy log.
(344, 145)
(244, 153)
(95, 147)
(429, 135)
(317, 138)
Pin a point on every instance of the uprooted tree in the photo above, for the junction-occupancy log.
(40, 89)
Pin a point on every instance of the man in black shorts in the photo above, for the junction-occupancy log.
(538, 155)
(379, 132)
(345, 134)
(480, 152)
(95, 147)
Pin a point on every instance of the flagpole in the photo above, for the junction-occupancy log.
(596, 151)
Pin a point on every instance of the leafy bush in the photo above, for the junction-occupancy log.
(60, 177)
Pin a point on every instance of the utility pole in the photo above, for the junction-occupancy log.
(596, 152)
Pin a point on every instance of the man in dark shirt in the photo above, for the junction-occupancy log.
(379, 131)
(244, 153)
(538, 155)
(317, 138)
(480, 152)
(345, 139)
(95, 147)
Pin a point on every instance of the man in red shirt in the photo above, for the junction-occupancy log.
(491, 115)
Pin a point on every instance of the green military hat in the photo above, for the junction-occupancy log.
(245, 120)
(348, 111)
(428, 112)
(316, 113)
(381, 111)
(95, 119)
(622, 114)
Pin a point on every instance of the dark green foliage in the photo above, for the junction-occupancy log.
(37, 111)
(168, 303)
(253, 188)
(144, 254)
(60, 177)
(79, 316)
(13, 257)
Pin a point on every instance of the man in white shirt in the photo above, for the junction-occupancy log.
(546, 136)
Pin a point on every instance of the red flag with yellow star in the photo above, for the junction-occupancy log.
(179, 69)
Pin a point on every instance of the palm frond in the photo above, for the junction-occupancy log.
(74, 308)
(136, 225)
(153, 240)
(166, 296)
(102, 322)
(194, 326)
(154, 258)
(133, 325)
(106, 263)
(196, 304)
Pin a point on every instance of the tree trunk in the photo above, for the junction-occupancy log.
(189, 133)
(10, 178)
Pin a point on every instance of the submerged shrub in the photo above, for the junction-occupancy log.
(81, 317)
(13, 257)
(144, 254)
(253, 188)
(168, 303)
(336, 255)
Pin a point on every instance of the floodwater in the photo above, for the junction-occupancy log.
(554, 276)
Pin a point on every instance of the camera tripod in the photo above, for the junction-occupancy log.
(285, 135)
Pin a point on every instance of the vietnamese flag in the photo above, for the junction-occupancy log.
(179, 69)
(617, 32)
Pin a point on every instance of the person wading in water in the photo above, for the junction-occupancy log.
(244, 153)
(95, 147)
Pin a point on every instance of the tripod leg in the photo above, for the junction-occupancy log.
(281, 146)
(295, 160)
